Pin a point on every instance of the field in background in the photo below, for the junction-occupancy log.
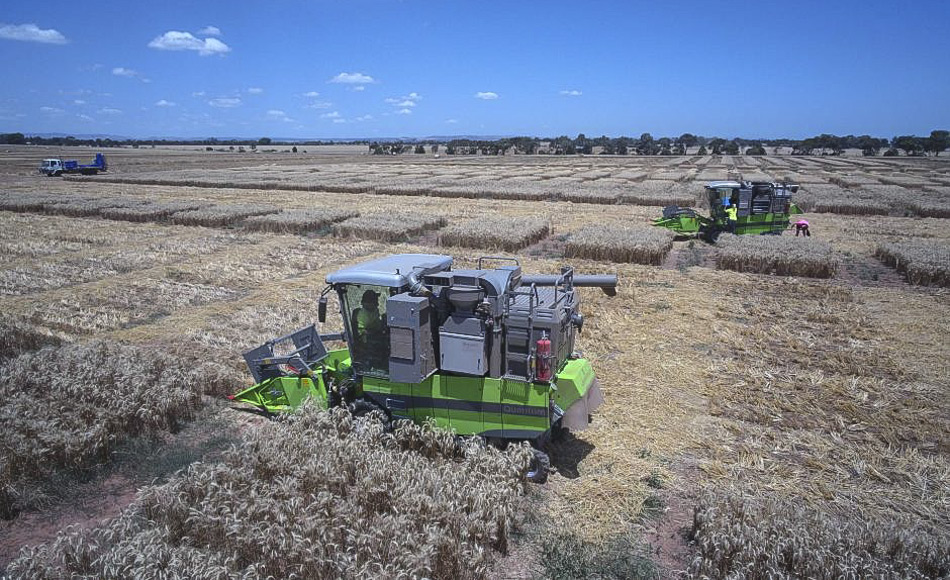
(830, 393)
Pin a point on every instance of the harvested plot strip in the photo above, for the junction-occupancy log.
(922, 262)
(621, 244)
(388, 227)
(590, 192)
(503, 233)
(298, 221)
(283, 503)
(121, 306)
(220, 215)
(776, 255)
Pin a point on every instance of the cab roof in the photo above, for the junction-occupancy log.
(718, 184)
(392, 271)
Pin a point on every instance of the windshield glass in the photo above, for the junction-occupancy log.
(364, 307)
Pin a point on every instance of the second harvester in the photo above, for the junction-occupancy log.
(761, 208)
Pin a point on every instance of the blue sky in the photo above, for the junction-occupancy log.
(379, 68)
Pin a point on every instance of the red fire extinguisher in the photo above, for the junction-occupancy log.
(544, 358)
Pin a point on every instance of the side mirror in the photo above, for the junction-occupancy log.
(322, 309)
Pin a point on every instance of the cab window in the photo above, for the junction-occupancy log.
(365, 311)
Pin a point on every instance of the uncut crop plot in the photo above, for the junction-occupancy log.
(783, 256)
(749, 397)
(620, 244)
(509, 234)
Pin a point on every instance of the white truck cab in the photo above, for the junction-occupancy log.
(52, 167)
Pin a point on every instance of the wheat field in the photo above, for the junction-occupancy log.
(746, 384)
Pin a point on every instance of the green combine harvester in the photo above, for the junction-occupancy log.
(486, 352)
(763, 208)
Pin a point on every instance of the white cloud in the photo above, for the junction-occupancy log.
(410, 100)
(85, 117)
(311, 94)
(486, 96)
(198, 94)
(210, 31)
(225, 102)
(109, 111)
(278, 115)
(52, 110)
(120, 71)
(31, 33)
(255, 90)
(164, 103)
(319, 105)
(333, 115)
(175, 40)
(79, 102)
(339, 120)
(364, 118)
(355, 78)
(451, 121)
(404, 112)
(571, 93)
(357, 88)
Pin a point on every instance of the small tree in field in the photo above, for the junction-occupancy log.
(937, 142)
(420, 149)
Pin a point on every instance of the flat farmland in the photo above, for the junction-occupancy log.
(745, 388)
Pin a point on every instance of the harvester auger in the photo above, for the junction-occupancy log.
(762, 208)
(487, 352)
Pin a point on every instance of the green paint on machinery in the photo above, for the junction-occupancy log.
(486, 352)
(762, 208)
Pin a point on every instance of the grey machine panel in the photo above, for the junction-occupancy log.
(411, 357)
(462, 346)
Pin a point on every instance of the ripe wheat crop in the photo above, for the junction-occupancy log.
(784, 256)
(922, 262)
(390, 226)
(504, 233)
(617, 243)
(741, 538)
(318, 495)
(150, 212)
(66, 407)
(299, 221)
(220, 215)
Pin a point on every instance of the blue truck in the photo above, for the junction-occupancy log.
(57, 167)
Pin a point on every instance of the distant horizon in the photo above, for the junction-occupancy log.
(291, 140)
(411, 69)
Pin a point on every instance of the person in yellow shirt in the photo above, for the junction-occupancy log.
(732, 218)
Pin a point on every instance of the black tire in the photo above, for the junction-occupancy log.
(363, 407)
(539, 468)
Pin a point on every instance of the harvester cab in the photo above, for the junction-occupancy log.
(762, 208)
(487, 351)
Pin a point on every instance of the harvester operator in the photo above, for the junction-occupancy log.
(368, 326)
(731, 218)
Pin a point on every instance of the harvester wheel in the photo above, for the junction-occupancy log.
(362, 407)
(539, 468)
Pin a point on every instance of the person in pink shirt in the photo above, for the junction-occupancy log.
(801, 227)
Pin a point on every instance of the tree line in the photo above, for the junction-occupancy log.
(646, 144)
